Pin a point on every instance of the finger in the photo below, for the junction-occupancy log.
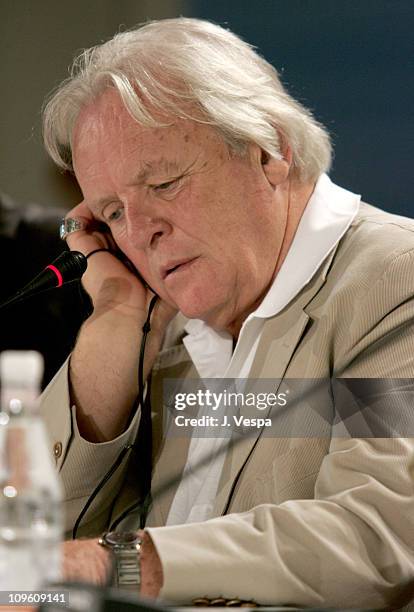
(93, 235)
(81, 210)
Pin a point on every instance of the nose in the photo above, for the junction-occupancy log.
(145, 230)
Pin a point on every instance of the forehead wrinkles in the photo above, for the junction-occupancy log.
(106, 131)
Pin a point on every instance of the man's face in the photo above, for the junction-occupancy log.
(203, 227)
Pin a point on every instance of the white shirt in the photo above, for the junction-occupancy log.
(327, 216)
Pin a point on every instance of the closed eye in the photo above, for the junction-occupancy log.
(167, 185)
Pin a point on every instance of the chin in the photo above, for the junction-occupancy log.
(195, 310)
(213, 317)
(200, 303)
(191, 312)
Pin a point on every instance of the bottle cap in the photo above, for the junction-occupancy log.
(20, 376)
(21, 369)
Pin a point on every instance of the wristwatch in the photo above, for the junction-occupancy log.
(126, 549)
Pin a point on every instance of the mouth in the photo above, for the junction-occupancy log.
(171, 268)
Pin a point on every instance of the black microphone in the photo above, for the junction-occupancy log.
(68, 267)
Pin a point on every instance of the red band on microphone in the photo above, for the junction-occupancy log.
(58, 274)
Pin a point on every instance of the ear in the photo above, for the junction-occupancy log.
(277, 170)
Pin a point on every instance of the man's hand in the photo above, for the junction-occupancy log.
(88, 561)
(104, 363)
(107, 280)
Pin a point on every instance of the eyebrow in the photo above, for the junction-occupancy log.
(160, 165)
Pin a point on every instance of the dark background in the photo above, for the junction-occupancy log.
(350, 61)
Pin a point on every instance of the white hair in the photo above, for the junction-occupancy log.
(192, 69)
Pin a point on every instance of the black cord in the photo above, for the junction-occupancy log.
(95, 492)
(144, 434)
(125, 513)
(143, 456)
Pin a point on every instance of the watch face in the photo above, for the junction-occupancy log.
(119, 538)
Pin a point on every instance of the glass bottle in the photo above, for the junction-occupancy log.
(31, 522)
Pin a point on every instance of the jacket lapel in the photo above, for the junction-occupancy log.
(279, 340)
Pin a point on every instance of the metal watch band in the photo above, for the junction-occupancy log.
(128, 569)
(126, 550)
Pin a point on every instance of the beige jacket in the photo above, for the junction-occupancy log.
(313, 521)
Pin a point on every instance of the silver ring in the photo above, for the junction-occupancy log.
(69, 225)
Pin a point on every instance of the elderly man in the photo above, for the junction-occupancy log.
(198, 167)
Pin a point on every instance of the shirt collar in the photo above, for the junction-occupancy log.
(327, 216)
